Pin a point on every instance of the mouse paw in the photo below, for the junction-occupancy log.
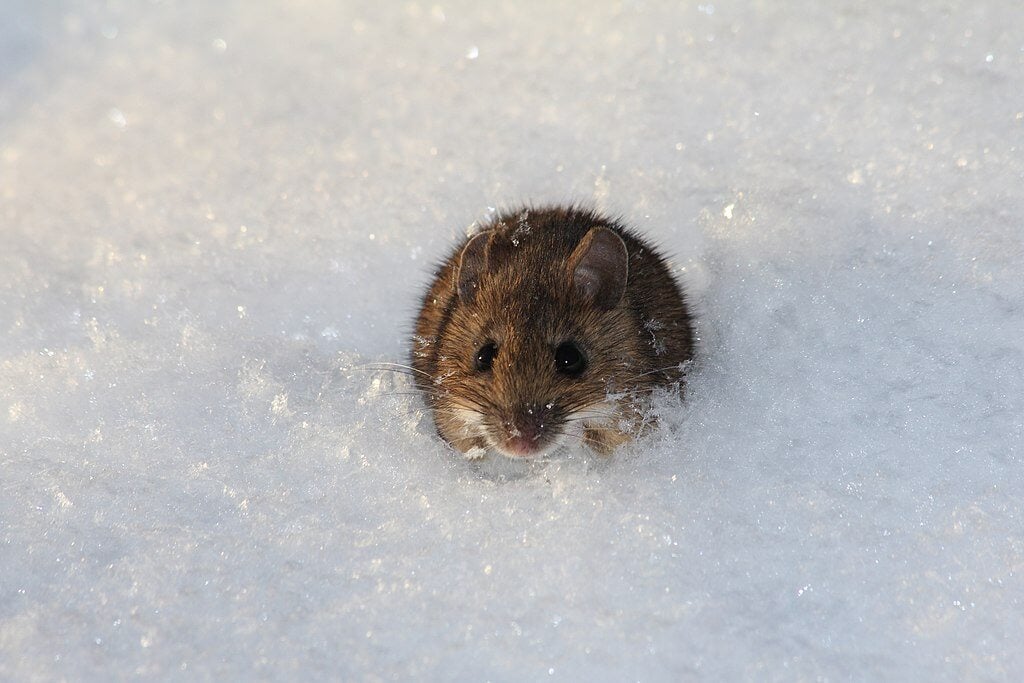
(604, 440)
(472, 448)
(475, 453)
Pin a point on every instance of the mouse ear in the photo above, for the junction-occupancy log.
(472, 262)
(484, 251)
(600, 265)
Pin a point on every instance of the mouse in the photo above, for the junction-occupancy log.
(549, 326)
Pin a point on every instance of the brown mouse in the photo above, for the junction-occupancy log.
(548, 325)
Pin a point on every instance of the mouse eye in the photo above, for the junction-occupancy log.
(485, 357)
(569, 360)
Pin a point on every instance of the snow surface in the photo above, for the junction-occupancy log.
(216, 216)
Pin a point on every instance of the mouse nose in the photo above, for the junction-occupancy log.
(527, 430)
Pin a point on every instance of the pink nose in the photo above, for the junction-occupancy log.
(522, 445)
(525, 433)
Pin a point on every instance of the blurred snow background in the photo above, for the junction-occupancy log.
(214, 216)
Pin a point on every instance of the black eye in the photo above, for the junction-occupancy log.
(485, 357)
(569, 360)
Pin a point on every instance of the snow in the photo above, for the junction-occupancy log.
(217, 218)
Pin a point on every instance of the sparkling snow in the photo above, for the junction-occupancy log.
(217, 218)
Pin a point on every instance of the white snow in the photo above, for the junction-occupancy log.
(217, 217)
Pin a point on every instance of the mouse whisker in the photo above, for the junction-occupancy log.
(653, 372)
(452, 413)
(592, 411)
(466, 413)
(590, 418)
(396, 394)
(394, 367)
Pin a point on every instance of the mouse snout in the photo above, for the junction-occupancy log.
(529, 430)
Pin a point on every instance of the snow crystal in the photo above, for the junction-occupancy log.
(208, 473)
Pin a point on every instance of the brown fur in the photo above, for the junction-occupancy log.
(525, 302)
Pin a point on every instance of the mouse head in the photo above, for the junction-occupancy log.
(539, 335)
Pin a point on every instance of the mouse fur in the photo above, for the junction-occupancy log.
(548, 325)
